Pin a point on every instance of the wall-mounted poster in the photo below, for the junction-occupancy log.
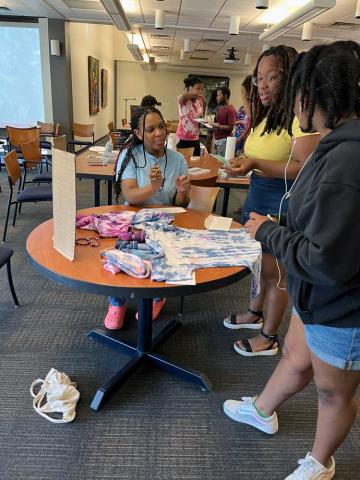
(104, 87)
(93, 67)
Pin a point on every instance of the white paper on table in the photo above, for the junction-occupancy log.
(191, 281)
(169, 210)
(198, 170)
(230, 148)
(97, 149)
(213, 222)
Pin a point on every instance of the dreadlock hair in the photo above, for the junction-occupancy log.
(137, 121)
(276, 113)
(326, 76)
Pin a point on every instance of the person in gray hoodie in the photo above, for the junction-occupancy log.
(318, 243)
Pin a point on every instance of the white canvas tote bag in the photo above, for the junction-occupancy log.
(61, 396)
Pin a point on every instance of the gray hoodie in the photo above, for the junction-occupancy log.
(320, 244)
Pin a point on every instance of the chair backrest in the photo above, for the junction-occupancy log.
(59, 142)
(22, 135)
(123, 122)
(187, 152)
(114, 138)
(46, 128)
(12, 166)
(80, 130)
(203, 198)
(31, 153)
(111, 127)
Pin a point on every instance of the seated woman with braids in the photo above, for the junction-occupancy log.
(148, 173)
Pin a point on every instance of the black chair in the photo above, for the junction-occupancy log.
(28, 195)
(5, 255)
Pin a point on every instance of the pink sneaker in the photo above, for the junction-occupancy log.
(156, 308)
(114, 319)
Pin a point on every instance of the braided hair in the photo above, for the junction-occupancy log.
(276, 113)
(326, 76)
(137, 121)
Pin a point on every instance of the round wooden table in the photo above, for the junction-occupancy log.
(86, 273)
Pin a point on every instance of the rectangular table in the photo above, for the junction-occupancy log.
(228, 183)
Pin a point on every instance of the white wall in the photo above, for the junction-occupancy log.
(166, 86)
(97, 41)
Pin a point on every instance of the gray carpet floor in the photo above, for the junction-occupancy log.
(157, 427)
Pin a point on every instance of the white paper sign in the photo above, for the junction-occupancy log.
(64, 202)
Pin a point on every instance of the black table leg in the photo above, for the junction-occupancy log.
(110, 190)
(143, 352)
(97, 192)
(225, 201)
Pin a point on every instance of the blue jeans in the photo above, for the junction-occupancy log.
(264, 197)
(339, 347)
(120, 301)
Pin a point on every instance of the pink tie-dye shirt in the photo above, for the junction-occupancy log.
(188, 129)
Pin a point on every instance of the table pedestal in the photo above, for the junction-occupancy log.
(143, 352)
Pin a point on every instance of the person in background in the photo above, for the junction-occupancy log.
(267, 151)
(224, 120)
(150, 102)
(242, 122)
(319, 247)
(148, 173)
(211, 112)
(191, 106)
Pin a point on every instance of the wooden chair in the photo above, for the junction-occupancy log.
(48, 130)
(187, 152)
(82, 131)
(33, 159)
(111, 127)
(5, 255)
(27, 195)
(202, 199)
(21, 135)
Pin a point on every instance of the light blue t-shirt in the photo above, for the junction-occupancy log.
(176, 166)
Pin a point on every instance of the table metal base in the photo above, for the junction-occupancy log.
(143, 352)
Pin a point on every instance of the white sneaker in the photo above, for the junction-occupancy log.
(311, 469)
(245, 412)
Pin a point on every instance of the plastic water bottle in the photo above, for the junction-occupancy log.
(107, 152)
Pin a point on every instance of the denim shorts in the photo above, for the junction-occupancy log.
(339, 347)
(264, 197)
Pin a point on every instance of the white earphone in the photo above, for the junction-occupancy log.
(286, 196)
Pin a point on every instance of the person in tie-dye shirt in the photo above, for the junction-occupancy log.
(191, 106)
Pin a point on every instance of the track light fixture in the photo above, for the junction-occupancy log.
(234, 25)
(159, 19)
(307, 32)
(262, 4)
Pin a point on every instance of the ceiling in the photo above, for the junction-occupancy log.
(205, 22)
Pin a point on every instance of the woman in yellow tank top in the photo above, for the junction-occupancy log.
(267, 150)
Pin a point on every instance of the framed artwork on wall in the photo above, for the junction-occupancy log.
(93, 72)
(104, 87)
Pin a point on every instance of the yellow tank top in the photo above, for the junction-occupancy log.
(271, 146)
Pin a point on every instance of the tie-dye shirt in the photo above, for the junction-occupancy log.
(188, 129)
(182, 251)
